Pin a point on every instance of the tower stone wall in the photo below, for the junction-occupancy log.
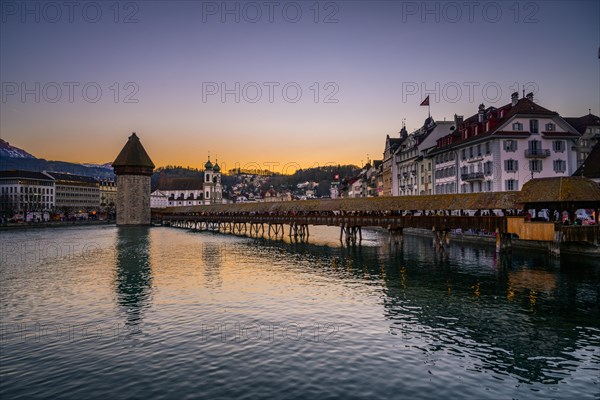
(133, 200)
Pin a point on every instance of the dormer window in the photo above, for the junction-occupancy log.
(517, 126)
(533, 126)
(550, 127)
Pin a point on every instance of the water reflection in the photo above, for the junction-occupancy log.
(213, 258)
(522, 315)
(133, 278)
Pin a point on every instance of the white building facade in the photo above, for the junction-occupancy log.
(193, 191)
(159, 199)
(501, 149)
(75, 193)
(23, 191)
(414, 171)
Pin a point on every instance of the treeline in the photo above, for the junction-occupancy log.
(245, 171)
(173, 171)
(317, 174)
(321, 175)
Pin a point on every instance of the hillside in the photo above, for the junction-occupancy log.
(12, 157)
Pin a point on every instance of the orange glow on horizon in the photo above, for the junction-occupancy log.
(164, 152)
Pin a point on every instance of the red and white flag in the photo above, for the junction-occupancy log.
(426, 101)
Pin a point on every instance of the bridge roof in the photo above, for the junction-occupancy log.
(471, 201)
(558, 193)
(572, 191)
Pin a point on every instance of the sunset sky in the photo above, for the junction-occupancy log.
(362, 67)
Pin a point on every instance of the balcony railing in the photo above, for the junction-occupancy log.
(473, 176)
(537, 153)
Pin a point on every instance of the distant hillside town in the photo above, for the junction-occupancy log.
(493, 150)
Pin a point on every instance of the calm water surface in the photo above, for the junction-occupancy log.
(106, 312)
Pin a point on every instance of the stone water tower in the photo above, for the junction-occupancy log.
(133, 168)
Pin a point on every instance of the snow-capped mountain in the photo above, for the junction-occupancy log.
(6, 150)
(107, 165)
(12, 157)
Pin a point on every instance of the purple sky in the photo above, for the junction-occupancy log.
(361, 66)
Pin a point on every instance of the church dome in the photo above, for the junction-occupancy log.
(208, 165)
(216, 168)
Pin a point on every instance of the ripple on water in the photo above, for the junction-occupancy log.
(166, 313)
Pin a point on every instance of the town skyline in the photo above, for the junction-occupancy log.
(322, 88)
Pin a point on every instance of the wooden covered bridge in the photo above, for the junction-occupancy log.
(491, 212)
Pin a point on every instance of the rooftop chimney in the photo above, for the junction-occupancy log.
(530, 96)
(514, 98)
(481, 112)
(458, 119)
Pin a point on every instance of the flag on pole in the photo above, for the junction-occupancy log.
(426, 101)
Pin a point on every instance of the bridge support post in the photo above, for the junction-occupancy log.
(507, 242)
(503, 241)
(498, 241)
(443, 240)
(554, 246)
(396, 237)
(436, 237)
(349, 234)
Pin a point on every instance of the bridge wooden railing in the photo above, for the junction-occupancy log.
(440, 222)
(580, 233)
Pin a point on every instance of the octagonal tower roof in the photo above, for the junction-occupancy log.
(133, 159)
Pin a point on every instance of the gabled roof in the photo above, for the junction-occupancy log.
(441, 129)
(393, 143)
(591, 166)
(524, 106)
(581, 123)
(527, 107)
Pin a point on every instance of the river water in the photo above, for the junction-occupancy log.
(107, 312)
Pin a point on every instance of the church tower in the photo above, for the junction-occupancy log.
(218, 190)
(213, 192)
(133, 168)
(208, 182)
